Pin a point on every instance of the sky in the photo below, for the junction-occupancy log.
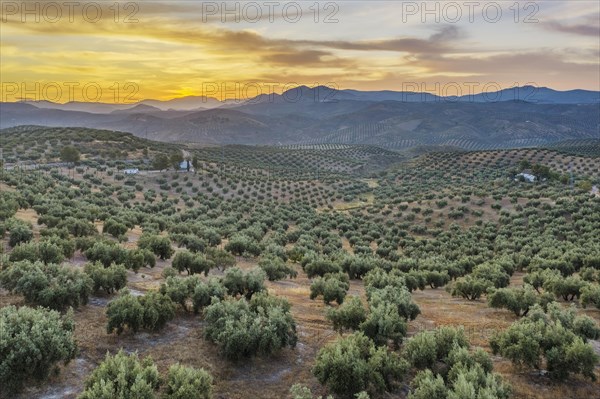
(129, 51)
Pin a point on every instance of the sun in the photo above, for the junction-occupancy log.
(186, 92)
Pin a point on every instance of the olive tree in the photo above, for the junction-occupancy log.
(221, 259)
(33, 342)
(591, 295)
(137, 258)
(151, 312)
(52, 286)
(241, 244)
(517, 300)
(470, 288)
(567, 288)
(44, 251)
(354, 364)
(69, 154)
(242, 328)
(276, 268)
(347, 316)
(19, 234)
(106, 253)
(187, 383)
(332, 287)
(109, 279)
(192, 263)
(449, 369)
(555, 336)
(158, 245)
(321, 267)
(122, 376)
(191, 289)
(245, 284)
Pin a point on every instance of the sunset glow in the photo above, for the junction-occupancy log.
(162, 50)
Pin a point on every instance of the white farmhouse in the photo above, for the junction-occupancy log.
(528, 177)
(186, 166)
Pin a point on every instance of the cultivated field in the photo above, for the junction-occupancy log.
(455, 234)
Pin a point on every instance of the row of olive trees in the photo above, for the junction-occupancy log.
(60, 286)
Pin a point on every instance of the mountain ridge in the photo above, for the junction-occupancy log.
(303, 93)
(388, 124)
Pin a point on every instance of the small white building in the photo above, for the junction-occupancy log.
(526, 176)
(186, 166)
(131, 171)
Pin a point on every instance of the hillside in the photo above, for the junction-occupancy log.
(325, 116)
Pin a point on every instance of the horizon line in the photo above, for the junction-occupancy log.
(238, 99)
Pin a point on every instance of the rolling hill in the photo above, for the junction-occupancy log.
(322, 115)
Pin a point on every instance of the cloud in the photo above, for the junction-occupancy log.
(305, 58)
(583, 25)
(585, 29)
(171, 49)
(439, 42)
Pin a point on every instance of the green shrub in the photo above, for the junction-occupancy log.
(474, 380)
(436, 278)
(122, 376)
(240, 244)
(358, 266)
(180, 290)
(135, 259)
(192, 289)
(20, 234)
(399, 297)
(421, 350)
(52, 286)
(106, 253)
(384, 323)
(8, 204)
(538, 278)
(450, 369)
(169, 272)
(221, 259)
(321, 267)
(276, 268)
(33, 342)
(44, 251)
(158, 245)
(114, 228)
(50, 252)
(354, 364)
(493, 272)
(470, 288)
(426, 385)
(552, 336)
(567, 288)
(109, 279)
(187, 383)
(426, 348)
(330, 287)
(590, 295)
(246, 284)
(193, 263)
(25, 251)
(151, 312)
(347, 316)
(244, 328)
(205, 292)
(517, 300)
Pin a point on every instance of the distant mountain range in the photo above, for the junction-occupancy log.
(516, 117)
